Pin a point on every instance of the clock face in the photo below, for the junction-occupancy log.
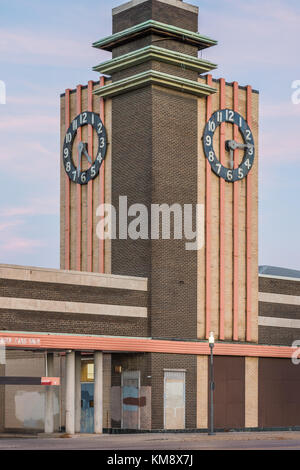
(230, 174)
(77, 174)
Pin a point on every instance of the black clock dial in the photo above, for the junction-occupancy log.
(76, 174)
(229, 174)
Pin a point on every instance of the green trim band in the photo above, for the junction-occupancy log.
(152, 77)
(151, 26)
(154, 53)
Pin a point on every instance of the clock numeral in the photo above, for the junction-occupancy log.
(68, 137)
(99, 157)
(229, 115)
(74, 173)
(68, 166)
(219, 167)
(229, 175)
(240, 173)
(248, 134)
(250, 150)
(211, 156)
(75, 125)
(219, 116)
(102, 142)
(248, 164)
(93, 171)
(241, 122)
(66, 153)
(211, 126)
(208, 141)
(93, 119)
(83, 118)
(100, 128)
(83, 178)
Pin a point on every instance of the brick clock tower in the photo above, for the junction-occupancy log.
(171, 134)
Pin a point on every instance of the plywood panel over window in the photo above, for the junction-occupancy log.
(229, 399)
(279, 391)
(174, 399)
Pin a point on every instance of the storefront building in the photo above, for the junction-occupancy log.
(124, 324)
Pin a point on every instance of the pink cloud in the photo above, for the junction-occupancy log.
(45, 48)
(257, 33)
(40, 124)
(34, 100)
(280, 110)
(23, 245)
(30, 159)
(9, 225)
(36, 207)
(279, 150)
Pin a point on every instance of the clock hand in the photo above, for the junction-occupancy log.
(86, 154)
(82, 150)
(231, 159)
(233, 145)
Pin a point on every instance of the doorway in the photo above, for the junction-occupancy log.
(130, 395)
(87, 408)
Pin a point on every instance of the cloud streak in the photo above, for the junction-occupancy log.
(30, 123)
(27, 47)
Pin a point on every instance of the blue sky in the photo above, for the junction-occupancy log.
(45, 47)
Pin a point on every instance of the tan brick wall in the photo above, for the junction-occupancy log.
(202, 392)
(251, 392)
(74, 188)
(215, 228)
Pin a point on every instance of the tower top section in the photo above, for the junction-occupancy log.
(155, 42)
(172, 12)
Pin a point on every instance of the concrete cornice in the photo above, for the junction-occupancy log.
(154, 53)
(152, 77)
(156, 27)
(77, 278)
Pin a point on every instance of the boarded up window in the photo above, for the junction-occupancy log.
(174, 400)
(131, 400)
(279, 391)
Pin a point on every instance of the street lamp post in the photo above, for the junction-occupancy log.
(211, 342)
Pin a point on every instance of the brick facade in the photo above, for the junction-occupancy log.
(58, 307)
(283, 309)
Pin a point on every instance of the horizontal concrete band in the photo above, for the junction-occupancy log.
(20, 273)
(279, 322)
(282, 278)
(156, 27)
(278, 298)
(72, 307)
(48, 341)
(152, 77)
(152, 52)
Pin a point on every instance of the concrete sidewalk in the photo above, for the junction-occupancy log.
(157, 442)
